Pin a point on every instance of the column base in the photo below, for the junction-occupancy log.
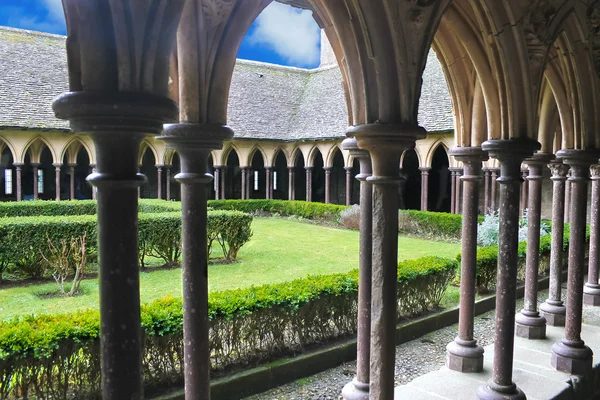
(530, 325)
(356, 390)
(575, 358)
(464, 356)
(491, 391)
(554, 312)
(591, 294)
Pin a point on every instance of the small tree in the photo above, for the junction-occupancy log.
(66, 258)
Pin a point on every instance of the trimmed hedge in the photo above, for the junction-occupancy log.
(59, 356)
(430, 224)
(298, 208)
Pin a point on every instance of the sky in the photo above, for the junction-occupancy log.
(280, 35)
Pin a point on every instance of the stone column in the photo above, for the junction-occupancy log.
(524, 191)
(269, 182)
(494, 178)
(486, 190)
(327, 184)
(57, 180)
(19, 178)
(530, 324)
(464, 354)
(348, 185)
(308, 183)
(244, 185)
(36, 168)
(424, 188)
(571, 355)
(591, 289)
(568, 198)
(385, 144)
(358, 388)
(452, 189)
(94, 190)
(72, 181)
(511, 154)
(159, 181)
(291, 182)
(193, 143)
(553, 308)
(217, 182)
(168, 181)
(458, 191)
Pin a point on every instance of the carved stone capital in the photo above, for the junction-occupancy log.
(558, 170)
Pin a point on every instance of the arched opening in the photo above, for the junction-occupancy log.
(148, 167)
(46, 186)
(338, 179)
(7, 175)
(175, 191)
(439, 186)
(258, 187)
(83, 190)
(318, 178)
(411, 186)
(355, 191)
(280, 177)
(232, 176)
(299, 177)
(73, 183)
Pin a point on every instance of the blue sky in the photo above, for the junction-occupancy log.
(280, 35)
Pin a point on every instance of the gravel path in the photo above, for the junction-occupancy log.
(413, 359)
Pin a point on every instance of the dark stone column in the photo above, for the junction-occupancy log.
(348, 185)
(486, 190)
(168, 181)
(591, 290)
(193, 143)
(72, 181)
(571, 354)
(553, 308)
(218, 182)
(385, 144)
(463, 354)
(117, 122)
(424, 187)
(244, 184)
(94, 190)
(19, 178)
(511, 154)
(524, 191)
(358, 388)
(308, 183)
(452, 190)
(159, 181)
(57, 180)
(530, 324)
(568, 198)
(291, 183)
(494, 178)
(269, 182)
(327, 184)
(36, 168)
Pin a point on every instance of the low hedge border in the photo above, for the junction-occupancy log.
(57, 356)
(297, 208)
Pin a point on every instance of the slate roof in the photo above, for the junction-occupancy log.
(266, 101)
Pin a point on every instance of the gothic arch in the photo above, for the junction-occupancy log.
(227, 150)
(433, 148)
(145, 146)
(253, 151)
(75, 140)
(10, 147)
(331, 155)
(44, 141)
(275, 154)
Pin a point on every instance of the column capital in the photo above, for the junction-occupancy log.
(536, 164)
(348, 169)
(559, 170)
(469, 154)
(327, 170)
(308, 168)
(35, 164)
(57, 165)
(510, 153)
(292, 168)
(269, 168)
(18, 164)
(424, 169)
(351, 145)
(72, 165)
(595, 172)
(574, 157)
(185, 137)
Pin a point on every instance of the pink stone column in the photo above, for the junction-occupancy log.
(486, 190)
(424, 188)
(36, 168)
(327, 184)
(72, 181)
(524, 191)
(308, 183)
(159, 181)
(568, 199)
(452, 190)
(168, 181)
(591, 290)
(19, 178)
(244, 185)
(458, 191)
(269, 182)
(348, 185)
(291, 183)
(57, 180)
(493, 183)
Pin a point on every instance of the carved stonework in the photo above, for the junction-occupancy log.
(558, 170)
(594, 20)
(217, 11)
(537, 18)
(595, 171)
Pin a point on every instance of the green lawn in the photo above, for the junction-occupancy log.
(280, 250)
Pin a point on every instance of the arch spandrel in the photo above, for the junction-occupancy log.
(35, 147)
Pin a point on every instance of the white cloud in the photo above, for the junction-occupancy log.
(55, 10)
(52, 21)
(292, 33)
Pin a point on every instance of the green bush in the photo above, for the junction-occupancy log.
(430, 224)
(231, 229)
(59, 356)
(304, 209)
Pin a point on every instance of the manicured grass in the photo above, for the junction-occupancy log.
(280, 250)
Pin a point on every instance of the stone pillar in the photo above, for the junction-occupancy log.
(568, 198)
(159, 181)
(524, 191)
(94, 190)
(268, 183)
(36, 168)
(530, 324)
(494, 178)
(327, 184)
(217, 182)
(553, 308)
(358, 388)
(424, 188)
(486, 190)
(452, 189)
(57, 180)
(168, 181)
(464, 354)
(458, 191)
(385, 144)
(348, 185)
(19, 178)
(291, 183)
(591, 290)
(511, 154)
(72, 181)
(244, 185)
(308, 183)
(571, 355)
(193, 143)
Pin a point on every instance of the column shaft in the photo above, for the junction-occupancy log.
(348, 185)
(291, 183)
(72, 181)
(19, 178)
(591, 291)
(327, 185)
(425, 188)
(486, 190)
(222, 179)
(168, 181)
(494, 185)
(308, 183)
(568, 199)
(458, 191)
(244, 185)
(268, 182)
(217, 183)
(452, 190)
(57, 181)
(159, 181)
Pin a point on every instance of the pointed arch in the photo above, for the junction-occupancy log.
(331, 155)
(280, 149)
(75, 140)
(254, 149)
(227, 151)
(43, 140)
(10, 146)
(310, 160)
(145, 146)
(433, 148)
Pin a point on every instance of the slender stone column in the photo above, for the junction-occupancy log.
(424, 188)
(530, 324)
(193, 143)
(94, 190)
(452, 190)
(57, 180)
(36, 168)
(348, 185)
(486, 190)
(571, 354)
(291, 183)
(249, 182)
(494, 178)
(308, 183)
(217, 182)
(269, 182)
(464, 354)
(19, 178)
(159, 181)
(72, 181)
(553, 308)
(591, 290)
(568, 198)
(524, 191)
(358, 388)
(511, 154)
(458, 191)
(327, 184)
(222, 180)
(385, 144)
(244, 185)
(168, 181)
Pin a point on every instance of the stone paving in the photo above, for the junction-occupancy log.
(413, 359)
